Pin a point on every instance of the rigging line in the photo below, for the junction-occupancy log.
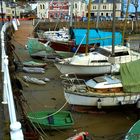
(42, 131)
(79, 45)
(30, 121)
(41, 128)
(50, 114)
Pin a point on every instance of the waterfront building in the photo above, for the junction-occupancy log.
(2, 9)
(79, 8)
(105, 8)
(10, 9)
(54, 9)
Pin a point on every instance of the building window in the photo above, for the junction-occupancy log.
(43, 6)
(104, 6)
(61, 15)
(40, 6)
(75, 5)
(107, 14)
(94, 7)
(102, 14)
(56, 15)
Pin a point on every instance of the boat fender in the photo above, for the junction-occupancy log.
(99, 103)
(74, 49)
(138, 104)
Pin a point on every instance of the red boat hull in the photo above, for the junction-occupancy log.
(67, 46)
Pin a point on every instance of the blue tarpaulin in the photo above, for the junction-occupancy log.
(96, 36)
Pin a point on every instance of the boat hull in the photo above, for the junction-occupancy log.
(68, 46)
(51, 119)
(103, 101)
(83, 70)
(64, 54)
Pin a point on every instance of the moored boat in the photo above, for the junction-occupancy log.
(78, 41)
(51, 119)
(106, 90)
(134, 132)
(97, 62)
(81, 93)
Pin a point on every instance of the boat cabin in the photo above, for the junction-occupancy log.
(121, 54)
(104, 84)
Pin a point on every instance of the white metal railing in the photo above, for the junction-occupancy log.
(15, 126)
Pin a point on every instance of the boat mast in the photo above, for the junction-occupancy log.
(97, 23)
(126, 15)
(88, 27)
(113, 27)
(71, 13)
(71, 18)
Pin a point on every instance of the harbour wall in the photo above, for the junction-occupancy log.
(129, 27)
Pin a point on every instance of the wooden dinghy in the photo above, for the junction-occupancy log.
(51, 119)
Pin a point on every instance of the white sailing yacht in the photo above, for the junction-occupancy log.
(102, 91)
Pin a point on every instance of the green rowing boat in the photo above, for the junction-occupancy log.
(134, 132)
(51, 119)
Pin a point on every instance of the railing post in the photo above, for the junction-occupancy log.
(5, 83)
(16, 132)
(15, 126)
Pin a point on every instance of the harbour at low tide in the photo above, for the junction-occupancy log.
(104, 124)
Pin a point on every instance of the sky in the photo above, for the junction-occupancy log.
(132, 8)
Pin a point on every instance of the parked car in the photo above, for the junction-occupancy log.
(102, 18)
(109, 18)
(84, 19)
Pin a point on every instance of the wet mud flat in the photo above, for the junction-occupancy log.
(104, 124)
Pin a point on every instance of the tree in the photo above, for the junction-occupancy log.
(136, 5)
